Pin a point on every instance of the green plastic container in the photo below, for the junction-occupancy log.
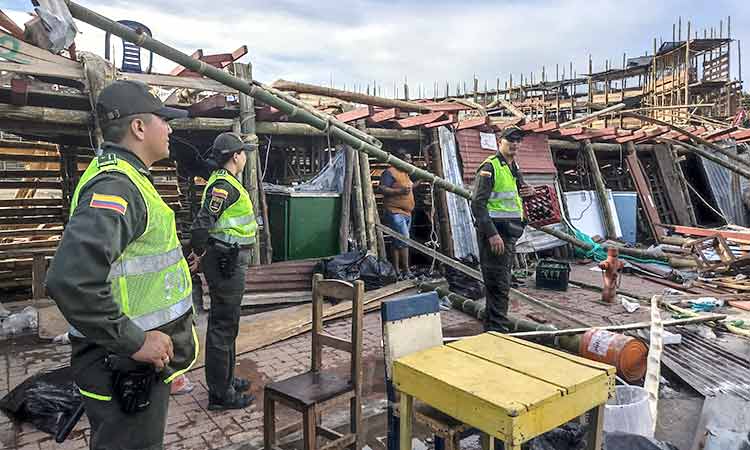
(304, 224)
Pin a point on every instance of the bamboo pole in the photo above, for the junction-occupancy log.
(601, 189)
(593, 115)
(247, 131)
(346, 200)
(370, 208)
(358, 208)
(625, 327)
(305, 88)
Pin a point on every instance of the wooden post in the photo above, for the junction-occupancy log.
(687, 66)
(446, 237)
(38, 274)
(359, 207)
(371, 209)
(601, 190)
(346, 200)
(247, 131)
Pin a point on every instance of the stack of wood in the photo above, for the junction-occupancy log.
(722, 256)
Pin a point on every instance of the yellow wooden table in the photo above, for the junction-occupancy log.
(511, 389)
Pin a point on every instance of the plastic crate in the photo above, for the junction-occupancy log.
(551, 274)
(542, 208)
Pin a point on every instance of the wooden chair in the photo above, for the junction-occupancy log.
(411, 324)
(309, 392)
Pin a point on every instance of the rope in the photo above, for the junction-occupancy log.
(723, 217)
(434, 238)
(265, 164)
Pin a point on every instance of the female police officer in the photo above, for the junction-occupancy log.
(222, 235)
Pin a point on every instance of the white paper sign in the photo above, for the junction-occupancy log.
(488, 141)
(600, 341)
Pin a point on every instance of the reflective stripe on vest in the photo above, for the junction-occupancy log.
(141, 265)
(231, 239)
(504, 201)
(155, 319)
(237, 224)
(150, 280)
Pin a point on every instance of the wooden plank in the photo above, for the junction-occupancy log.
(285, 323)
(51, 322)
(570, 131)
(439, 123)
(24, 53)
(383, 116)
(334, 342)
(201, 84)
(208, 105)
(471, 123)
(644, 191)
(418, 120)
(672, 183)
(355, 114)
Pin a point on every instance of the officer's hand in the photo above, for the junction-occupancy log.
(526, 191)
(497, 245)
(157, 349)
(194, 261)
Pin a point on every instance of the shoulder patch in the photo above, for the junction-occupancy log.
(106, 159)
(111, 202)
(215, 204)
(218, 192)
(484, 173)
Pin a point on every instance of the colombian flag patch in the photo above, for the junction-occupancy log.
(112, 202)
(218, 192)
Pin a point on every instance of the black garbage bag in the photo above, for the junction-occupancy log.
(46, 400)
(571, 436)
(626, 441)
(358, 265)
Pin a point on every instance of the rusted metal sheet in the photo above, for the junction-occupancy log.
(706, 366)
(472, 123)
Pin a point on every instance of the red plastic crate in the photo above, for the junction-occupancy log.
(542, 208)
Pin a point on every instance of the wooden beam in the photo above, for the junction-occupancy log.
(355, 114)
(385, 115)
(644, 191)
(422, 119)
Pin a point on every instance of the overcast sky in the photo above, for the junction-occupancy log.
(361, 41)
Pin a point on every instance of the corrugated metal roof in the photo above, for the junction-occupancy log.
(534, 155)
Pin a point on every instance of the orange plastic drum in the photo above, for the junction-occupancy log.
(626, 353)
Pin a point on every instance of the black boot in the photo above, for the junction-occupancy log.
(232, 401)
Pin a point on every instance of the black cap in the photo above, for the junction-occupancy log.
(127, 97)
(512, 133)
(227, 143)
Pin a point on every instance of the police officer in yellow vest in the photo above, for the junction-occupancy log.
(224, 231)
(120, 279)
(498, 215)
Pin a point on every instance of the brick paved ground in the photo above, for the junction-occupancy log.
(190, 425)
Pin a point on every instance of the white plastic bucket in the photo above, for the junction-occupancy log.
(628, 412)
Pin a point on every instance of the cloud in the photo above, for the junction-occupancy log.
(361, 41)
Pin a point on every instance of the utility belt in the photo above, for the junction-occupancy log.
(227, 256)
(132, 382)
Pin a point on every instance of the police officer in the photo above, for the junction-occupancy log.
(224, 231)
(498, 215)
(120, 279)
